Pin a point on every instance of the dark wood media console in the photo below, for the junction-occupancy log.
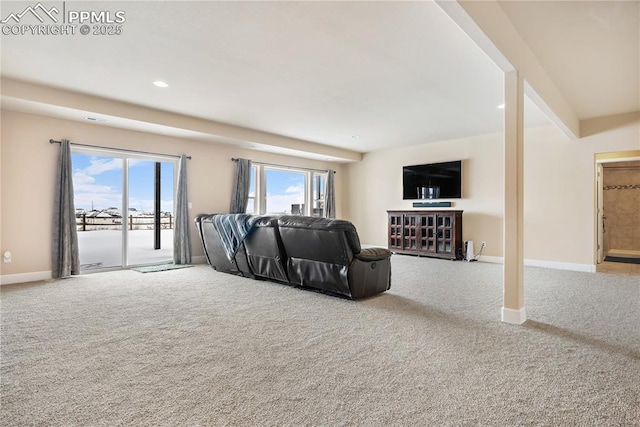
(432, 233)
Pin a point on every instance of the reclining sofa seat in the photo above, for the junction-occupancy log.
(325, 254)
(317, 253)
(214, 251)
(265, 253)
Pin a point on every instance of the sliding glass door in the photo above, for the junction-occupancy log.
(150, 216)
(124, 208)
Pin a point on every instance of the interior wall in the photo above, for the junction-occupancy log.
(559, 188)
(29, 170)
(374, 186)
(559, 184)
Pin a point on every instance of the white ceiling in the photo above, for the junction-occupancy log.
(356, 75)
(591, 50)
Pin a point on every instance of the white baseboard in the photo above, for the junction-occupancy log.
(585, 268)
(517, 317)
(9, 279)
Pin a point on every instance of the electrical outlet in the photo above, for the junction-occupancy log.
(483, 244)
(6, 257)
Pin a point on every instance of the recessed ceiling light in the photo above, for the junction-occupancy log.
(160, 83)
(501, 106)
(95, 119)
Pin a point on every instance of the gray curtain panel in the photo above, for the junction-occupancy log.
(330, 196)
(65, 259)
(240, 194)
(181, 239)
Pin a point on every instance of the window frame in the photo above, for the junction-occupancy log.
(255, 197)
(260, 184)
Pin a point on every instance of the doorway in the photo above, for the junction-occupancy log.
(124, 208)
(618, 199)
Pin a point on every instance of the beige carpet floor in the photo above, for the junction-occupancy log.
(194, 347)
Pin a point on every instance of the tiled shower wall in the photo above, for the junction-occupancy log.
(621, 199)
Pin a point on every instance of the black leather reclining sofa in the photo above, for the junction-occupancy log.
(317, 253)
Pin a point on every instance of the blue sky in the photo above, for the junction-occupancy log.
(284, 188)
(98, 180)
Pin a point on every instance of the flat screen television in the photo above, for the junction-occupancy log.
(432, 181)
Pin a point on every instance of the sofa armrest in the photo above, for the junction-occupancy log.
(371, 277)
(373, 254)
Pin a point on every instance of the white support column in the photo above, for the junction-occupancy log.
(513, 310)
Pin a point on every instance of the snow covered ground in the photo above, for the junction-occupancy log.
(103, 248)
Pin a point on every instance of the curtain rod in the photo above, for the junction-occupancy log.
(283, 166)
(53, 141)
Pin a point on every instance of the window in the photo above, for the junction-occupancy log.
(284, 191)
(124, 208)
(278, 190)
